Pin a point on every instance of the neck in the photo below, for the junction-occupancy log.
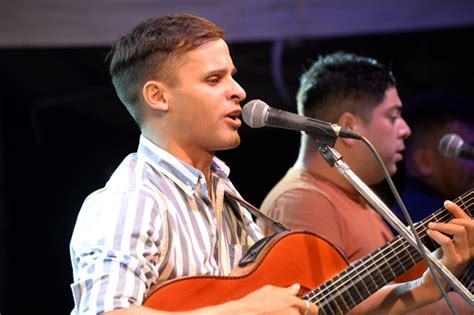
(201, 162)
(194, 156)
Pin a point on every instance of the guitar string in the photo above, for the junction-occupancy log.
(352, 300)
(368, 269)
(342, 278)
(365, 267)
(372, 267)
(468, 276)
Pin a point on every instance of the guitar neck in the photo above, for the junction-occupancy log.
(369, 274)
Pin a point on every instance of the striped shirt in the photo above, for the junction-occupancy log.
(154, 221)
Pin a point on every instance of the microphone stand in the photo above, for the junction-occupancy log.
(334, 158)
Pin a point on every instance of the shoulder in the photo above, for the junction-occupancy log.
(298, 190)
(134, 181)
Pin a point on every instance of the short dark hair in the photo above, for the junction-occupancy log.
(343, 82)
(151, 50)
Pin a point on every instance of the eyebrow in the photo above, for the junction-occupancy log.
(222, 72)
(397, 107)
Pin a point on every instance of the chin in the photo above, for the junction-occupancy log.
(232, 144)
(235, 145)
(392, 170)
(378, 175)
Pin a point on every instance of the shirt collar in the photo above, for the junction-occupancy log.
(181, 173)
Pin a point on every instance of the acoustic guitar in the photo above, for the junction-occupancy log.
(324, 274)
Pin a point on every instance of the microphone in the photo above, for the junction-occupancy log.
(452, 145)
(257, 114)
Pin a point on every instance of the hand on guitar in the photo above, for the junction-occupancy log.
(456, 239)
(463, 220)
(266, 300)
(273, 300)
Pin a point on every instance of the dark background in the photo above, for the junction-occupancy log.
(63, 131)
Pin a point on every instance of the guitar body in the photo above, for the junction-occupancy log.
(290, 257)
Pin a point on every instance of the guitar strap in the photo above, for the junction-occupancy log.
(232, 199)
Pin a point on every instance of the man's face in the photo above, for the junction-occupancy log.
(204, 104)
(386, 131)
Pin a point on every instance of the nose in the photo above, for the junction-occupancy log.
(238, 94)
(405, 130)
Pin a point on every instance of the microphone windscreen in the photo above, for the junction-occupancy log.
(450, 145)
(254, 113)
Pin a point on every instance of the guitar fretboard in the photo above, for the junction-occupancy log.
(369, 274)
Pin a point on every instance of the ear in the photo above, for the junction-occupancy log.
(423, 161)
(349, 120)
(154, 95)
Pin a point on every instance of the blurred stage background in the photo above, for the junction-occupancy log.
(63, 130)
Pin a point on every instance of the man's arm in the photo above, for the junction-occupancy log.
(268, 299)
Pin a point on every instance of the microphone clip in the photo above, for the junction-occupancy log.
(322, 140)
(329, 154)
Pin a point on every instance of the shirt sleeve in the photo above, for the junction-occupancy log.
(115, 251)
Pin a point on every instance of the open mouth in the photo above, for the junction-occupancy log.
(233, 118)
